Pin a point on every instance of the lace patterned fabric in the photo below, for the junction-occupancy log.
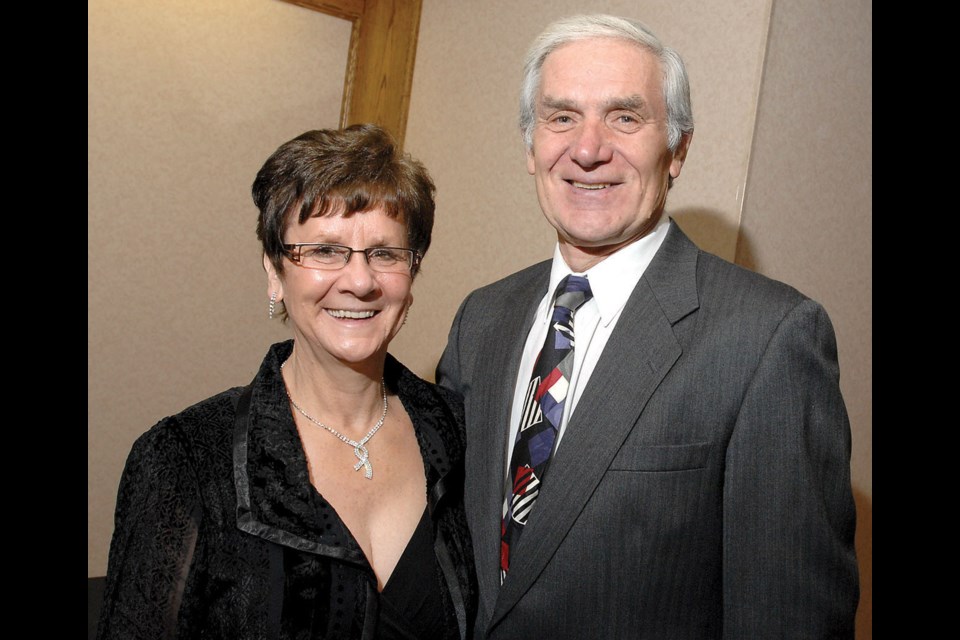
(219, 533)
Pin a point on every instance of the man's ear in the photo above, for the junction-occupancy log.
(680, 155)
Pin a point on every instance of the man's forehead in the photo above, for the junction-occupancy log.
(616, 71)
(630, 59)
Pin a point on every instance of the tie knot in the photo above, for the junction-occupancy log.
(572, 292)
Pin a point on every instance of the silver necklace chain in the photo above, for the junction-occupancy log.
(359, 448)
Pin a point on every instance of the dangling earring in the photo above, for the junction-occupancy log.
(273, 303)
(405, 314)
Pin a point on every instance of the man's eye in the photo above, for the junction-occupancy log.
(625, 122)
(560, 122)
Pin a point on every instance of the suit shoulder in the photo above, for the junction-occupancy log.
(733, 282)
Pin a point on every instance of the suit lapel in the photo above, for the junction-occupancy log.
(614, 397)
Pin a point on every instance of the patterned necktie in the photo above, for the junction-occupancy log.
(542, 412)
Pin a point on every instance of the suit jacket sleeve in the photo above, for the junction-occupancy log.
(789, 562)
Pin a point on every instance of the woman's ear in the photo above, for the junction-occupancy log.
(274, 283)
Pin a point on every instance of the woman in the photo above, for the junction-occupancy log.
(323, 500)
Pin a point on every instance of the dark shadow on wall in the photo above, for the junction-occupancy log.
(709, 231)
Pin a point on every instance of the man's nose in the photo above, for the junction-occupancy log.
(592, 145)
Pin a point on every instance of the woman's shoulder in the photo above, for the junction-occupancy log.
(436, 406)
(210, 411)
(407, 383)
(199, 424)
(183, 447)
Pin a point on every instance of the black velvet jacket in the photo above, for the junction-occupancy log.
(219, 533)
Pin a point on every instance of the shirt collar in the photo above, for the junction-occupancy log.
(614, 278)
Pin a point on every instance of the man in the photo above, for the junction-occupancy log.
(699, 482)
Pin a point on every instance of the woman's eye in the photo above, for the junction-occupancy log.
(322, 252)
(384, 255)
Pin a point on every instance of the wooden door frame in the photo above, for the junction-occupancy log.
(383, 48)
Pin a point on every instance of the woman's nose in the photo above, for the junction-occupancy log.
(356, 275)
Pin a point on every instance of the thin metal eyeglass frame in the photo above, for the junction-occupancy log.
(294, 250)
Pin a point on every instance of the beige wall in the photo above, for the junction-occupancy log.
(778, 178)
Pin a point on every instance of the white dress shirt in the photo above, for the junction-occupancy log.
(612, 280)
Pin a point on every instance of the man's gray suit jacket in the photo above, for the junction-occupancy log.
(702, 486)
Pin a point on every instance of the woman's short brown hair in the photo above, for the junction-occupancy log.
(344, 171)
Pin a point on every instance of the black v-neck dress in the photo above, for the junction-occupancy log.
(409, 606)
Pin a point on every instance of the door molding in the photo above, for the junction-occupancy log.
(383, 48)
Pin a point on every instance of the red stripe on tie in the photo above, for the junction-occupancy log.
(547, 382)
(524, 474)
